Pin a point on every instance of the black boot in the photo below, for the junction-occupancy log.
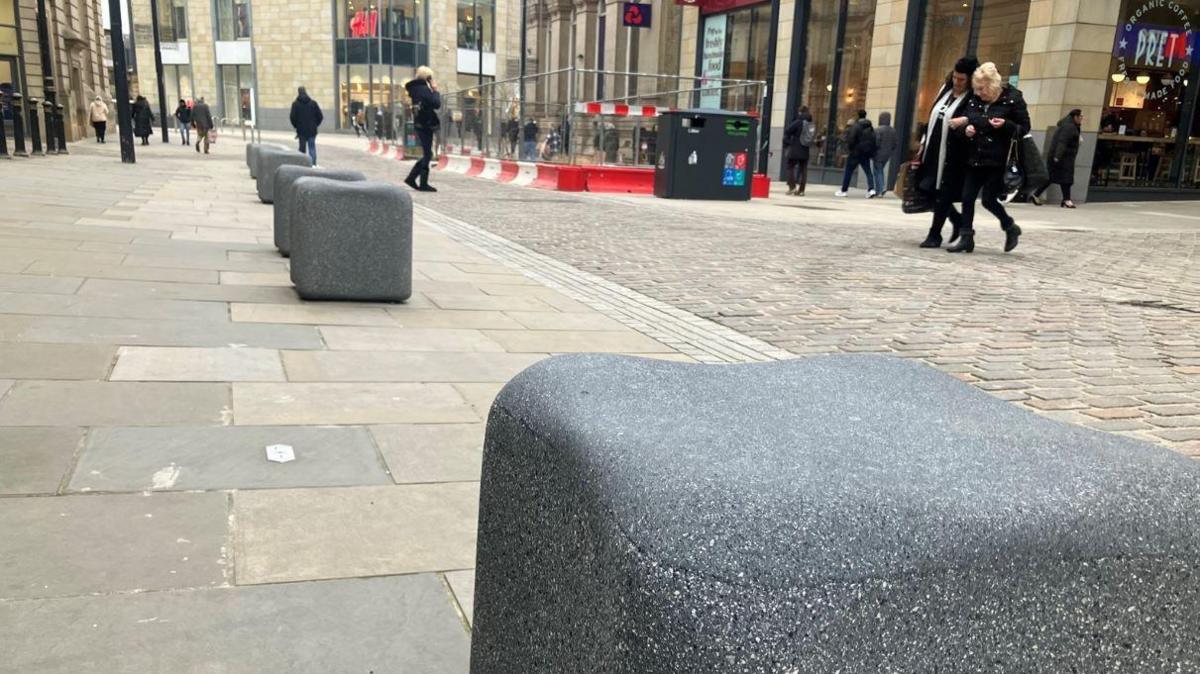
(956, 232)
(1011, 234)
(425, 186)
(411, 181)
(966, 242)
(932, 241)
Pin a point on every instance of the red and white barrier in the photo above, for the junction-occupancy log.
(619, 109)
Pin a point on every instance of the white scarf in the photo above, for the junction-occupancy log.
(947, 99)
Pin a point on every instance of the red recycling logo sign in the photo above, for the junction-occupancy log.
(636, 15)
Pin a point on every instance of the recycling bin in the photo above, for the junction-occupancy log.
(705, 154)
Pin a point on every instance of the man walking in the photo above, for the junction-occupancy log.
(529, 138)
(306, 117)
(886, 142)
(860, 150)
(202, 121)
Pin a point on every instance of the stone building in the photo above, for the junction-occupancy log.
(1128, 65)
(68, 67)
(246, 57)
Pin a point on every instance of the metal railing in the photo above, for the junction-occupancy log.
(495, 120)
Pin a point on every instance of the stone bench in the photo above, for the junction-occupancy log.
(285, 180)
(846, 513)
(270, 159)
(252, 156)
(351, 240)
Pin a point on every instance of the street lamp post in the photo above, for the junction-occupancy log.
(121, 77)
(158, 71)
(521, 72)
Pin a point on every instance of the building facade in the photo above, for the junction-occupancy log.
(247, 57)
(1129, 65)
(59, 55)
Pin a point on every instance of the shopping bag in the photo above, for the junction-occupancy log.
(914, 200)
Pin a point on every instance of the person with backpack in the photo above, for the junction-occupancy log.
(798, 138)
(860, 150)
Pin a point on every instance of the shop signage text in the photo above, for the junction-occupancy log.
(1167, 45)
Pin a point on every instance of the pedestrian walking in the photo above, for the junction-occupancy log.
(798, 138)
(1064, 147)
(529, 138)
(942, 158)
(360, 123)
(886, 142)
(996, 116)
(512, 130)
(183, 120)
(143, 119)
(306, 116)
(860, 150)
(202, 122)
(379, 125)
(98, 113)
(426, 101)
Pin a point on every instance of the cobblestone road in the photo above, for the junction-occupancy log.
(1100, 328)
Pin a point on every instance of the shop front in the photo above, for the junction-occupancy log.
(377, 47)
(1149, 141)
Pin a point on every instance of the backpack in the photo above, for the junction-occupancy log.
(867, 144)
(808, 133)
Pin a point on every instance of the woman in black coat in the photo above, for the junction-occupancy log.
(426, 101)
(942, 159)
(996, 116)
(143, 120)
(1064, 147)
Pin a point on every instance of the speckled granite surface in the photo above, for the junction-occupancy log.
(847, 513)
(351, 240)
(269, 159)
(285, 179)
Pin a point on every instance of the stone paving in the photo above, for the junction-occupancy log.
(1094, 319)
(151, 349)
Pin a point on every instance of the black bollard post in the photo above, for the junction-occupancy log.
(35, 130)
(3, 134)
(18, 127)
(62, 129)
(51, 130)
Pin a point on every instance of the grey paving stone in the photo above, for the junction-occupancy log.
(143, 332)
(559, 320)
(431, 452)
(55, 361)
(187, 291)
(409, 317)
(153, 363)
(366, 403)
(395, 624)
(76, 305)
(92, 403)
(285, 535)
(116, 271)
(488, 303)
(35, 460)
(560, 341)
(68, 545)
(20, 283)
(341, 338)
(225, 457)
(312, 314)
(462, 583)
(398, 366)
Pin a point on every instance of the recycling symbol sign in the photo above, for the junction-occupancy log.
(635, 15)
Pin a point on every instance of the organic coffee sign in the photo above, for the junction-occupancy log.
(1157, 39)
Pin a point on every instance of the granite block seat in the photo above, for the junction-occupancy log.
(285, 179)
(832, 514)
(351, 240)
(252, 156)
(270, 159)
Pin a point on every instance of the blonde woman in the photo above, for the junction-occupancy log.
(426, 101)
(996, 114)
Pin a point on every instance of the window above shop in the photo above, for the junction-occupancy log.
(477, 24)
(233, 20)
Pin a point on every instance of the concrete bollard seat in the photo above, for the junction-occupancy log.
(270, 159)
(351, 240)
(825, 514)
(285, 180)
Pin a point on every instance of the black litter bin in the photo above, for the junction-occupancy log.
(705, 154)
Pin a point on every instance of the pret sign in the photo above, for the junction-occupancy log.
(1157, 40)
(635, 15)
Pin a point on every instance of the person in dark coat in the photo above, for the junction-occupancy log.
(996, 115)
(1064, 147)
(183, 120)
(143, 120)
(306, 117)
(202, 122)
(942, 158)
(860, 150)
(798, 139)
(426, 101)
(886, 142)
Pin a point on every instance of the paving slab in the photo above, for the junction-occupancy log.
(480, 396)
(68, 545)
(116, 271)
(341, 338)
(35, 460)
(559, 320)
(92, 403)
(76, 305)
(396, 624)
(488, 302)
(236, 278)
(225, 457)
(448, 318)
(399, 366)
(569, 341)
(20, 283)
(286, 535)
(133, 332)
(431, 452)
(367, 403)
(55, 361)
(462, 583)
(147, 363)
(312, 314)
(187, 291)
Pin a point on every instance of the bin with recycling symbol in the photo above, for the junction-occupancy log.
(705, 154)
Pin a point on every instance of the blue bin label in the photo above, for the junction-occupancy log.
(734, 178)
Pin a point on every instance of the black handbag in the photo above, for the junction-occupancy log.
(915, 199)
(1014, 175)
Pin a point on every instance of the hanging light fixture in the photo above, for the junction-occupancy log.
(1143, 79)
(1118, 77)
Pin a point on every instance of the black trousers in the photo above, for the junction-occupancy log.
(1066, 190)
(943, 209)
(420, 170)
(100, 128)
(985, 183)
(797, 174)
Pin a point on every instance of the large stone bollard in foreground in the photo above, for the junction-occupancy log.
(835, 514)
(351, 240)
(270, 159)
(285, 180)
